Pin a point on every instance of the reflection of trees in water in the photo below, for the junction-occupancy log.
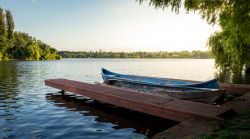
(120, 117)
(8, 80)
(229, 77)
(8, 91)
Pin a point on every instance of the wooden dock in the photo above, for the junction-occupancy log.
(236, 89)
(173, 109)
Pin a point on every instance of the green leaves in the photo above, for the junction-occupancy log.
(233, 38)
(2, 32)
(10, 25)
(19, 45)
(173, 4)
(230, 46)
(2, 24)
(28, 48)
(161, 54)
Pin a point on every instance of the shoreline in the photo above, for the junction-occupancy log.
(233, 125)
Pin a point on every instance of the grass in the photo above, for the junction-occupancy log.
(237, 128)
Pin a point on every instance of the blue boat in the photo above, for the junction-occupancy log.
(110, 77)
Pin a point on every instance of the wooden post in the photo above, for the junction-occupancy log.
(62, 92)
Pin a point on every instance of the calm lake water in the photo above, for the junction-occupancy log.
(29, 109)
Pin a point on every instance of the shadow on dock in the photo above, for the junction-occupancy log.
(120, 117)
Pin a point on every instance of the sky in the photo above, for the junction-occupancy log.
(109, 25)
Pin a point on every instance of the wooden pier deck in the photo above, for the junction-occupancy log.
(236, 89)
(173, 109)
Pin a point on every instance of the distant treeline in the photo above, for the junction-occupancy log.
(19, 45)
(161, 54)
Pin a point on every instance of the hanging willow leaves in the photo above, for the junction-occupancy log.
(230, 46)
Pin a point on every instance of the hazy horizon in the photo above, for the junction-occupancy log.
(132, 51)
(109, 25)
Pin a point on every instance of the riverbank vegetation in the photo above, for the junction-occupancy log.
(100, 54)
(20, 45)
(237, 128)
(231, 45)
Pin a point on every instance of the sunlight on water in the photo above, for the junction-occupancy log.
(29, 109)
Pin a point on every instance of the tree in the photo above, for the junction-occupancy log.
(2, 24)
(10, 25)
(230, 46)
(33, 51)
(3, 42)
(19, 45)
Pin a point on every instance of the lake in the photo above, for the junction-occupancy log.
(29, 109)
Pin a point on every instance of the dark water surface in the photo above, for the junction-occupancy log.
(29, 109)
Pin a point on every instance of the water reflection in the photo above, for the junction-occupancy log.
(8, 92)
(120, 118)
(8, 83)
(26, 113)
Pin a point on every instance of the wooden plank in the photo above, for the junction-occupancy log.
(237, 89)
(178, 110)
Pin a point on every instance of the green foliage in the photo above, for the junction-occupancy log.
(33, 52)
(2, 32)
(221, 54)
(238, 128)
(19, 45)
(230, 46)
(2, 24)
(208, 9)
(100, 54)
(28, 48)
(10, 25)
(47, 52)
(173, 4)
